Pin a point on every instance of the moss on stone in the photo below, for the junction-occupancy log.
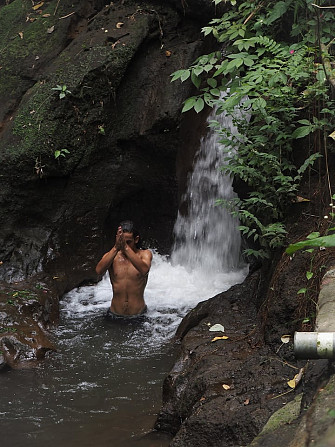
(285, 415)
(44, 121)
(18, 53)
(11, 16)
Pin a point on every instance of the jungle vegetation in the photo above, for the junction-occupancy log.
(274, 63)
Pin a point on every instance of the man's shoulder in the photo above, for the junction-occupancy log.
(145, 252)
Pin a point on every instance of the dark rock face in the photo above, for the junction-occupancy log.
(119, 121)
(221, 393)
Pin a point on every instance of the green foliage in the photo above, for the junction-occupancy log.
(63, 91)
(101, 129)
(322, 241)
(61, 153)
(271, 78)
(7, 329)
(24, 294)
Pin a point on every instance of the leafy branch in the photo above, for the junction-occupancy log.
(272, 76)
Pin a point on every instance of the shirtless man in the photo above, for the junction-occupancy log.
(128, 268)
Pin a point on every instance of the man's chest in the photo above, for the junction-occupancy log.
(123, 268)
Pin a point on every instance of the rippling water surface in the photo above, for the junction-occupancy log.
(103, 386)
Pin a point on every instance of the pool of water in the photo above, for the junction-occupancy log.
(103, 386)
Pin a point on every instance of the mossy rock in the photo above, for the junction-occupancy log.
(90, 69)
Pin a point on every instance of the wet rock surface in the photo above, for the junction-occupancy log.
(27, 310)
(221, 393)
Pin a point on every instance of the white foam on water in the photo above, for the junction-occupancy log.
(171, 292)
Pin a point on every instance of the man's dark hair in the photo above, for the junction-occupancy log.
(128, 227)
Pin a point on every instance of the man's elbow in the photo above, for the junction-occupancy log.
(145, 271)
(99, 270)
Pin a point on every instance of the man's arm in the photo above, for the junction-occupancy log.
(141, 263)
(106, 261)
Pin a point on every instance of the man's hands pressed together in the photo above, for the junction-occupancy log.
(120, 243)
(128, 267)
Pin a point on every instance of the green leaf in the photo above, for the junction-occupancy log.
(189, 103)
(302, 291)
(199, 105)
(313, 235)
(305, 122)
(323, 241)
(301, 132)
(176, 75)
(308, 162)
(277, 11)
(212, 82)
(215, 92)
(248, 62)
(209, 101)
(197, 70)
(208, 67)
(186, 74)
(231, 65)
(195, 79)
(309, 275)
(207, 30)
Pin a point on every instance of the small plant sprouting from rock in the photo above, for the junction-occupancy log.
(62, 90)
(61, 153)
(7, 329)
(25, 294)
(20, 294)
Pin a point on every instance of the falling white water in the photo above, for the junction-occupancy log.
(207, 238)
(205, 259)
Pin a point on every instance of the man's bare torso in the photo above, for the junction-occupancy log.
(128, 285)
(128, 268)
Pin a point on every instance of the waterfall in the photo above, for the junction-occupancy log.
(207, 238)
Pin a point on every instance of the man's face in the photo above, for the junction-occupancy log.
(130, 240)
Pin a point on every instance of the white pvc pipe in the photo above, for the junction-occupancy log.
(314, 345)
